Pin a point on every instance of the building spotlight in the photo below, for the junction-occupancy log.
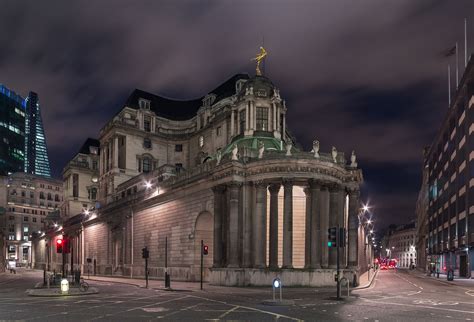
(55, 225)
(371, 231)
(147, 184)
(365, 208)
(369, 221)
(86, 212)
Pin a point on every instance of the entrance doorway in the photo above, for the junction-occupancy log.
(463, 266)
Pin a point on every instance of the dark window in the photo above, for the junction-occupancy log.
(179, 167)
(26, 218)
(147, 124)
(262, 119)
(147, 143)
(49, 196)
(34, 219)
(178, 147)
(242, 121)
(218, 131)
(75, 185)
(462, 227)
(146, 165)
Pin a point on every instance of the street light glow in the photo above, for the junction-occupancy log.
(147, 184)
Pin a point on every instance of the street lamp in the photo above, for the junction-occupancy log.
(147, 184)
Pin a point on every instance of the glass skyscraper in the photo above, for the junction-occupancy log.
(12, 131)
(36, 152)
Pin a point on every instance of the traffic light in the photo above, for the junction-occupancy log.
(66, 245)
(59, 245)
(332, 237)
(205, 249)
(145, 253)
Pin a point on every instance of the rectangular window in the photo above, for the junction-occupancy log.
(218, 131)
(178, 147)
(147, 143)
(242, 121)
(262, 119)
(34, 219)
(179, 167)
(26, 218)
(147, 124)
(75, 185)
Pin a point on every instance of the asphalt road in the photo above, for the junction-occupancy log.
(394, 296)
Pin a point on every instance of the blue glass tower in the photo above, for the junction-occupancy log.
(12, 131)
(36, 152)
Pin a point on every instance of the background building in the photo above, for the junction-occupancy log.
(36, 152)
(402, 245)
(450, 167)
(81, 180)
(12, 131)
(29, 199)
(422, 219)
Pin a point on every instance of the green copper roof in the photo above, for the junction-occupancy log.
(252, 142)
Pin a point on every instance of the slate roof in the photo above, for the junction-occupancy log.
(89, 142)
(180, 110)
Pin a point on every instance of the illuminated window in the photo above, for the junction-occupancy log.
(146, 165)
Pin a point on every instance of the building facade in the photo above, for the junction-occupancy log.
(81, 180)
(224, 170)
(36, 151)
(12, 131)
(402, 246)
(450, 167)
(29, 199)
(421, 211)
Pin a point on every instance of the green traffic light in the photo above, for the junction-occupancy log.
(329, 244)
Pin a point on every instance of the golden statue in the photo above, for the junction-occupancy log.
(260, 56)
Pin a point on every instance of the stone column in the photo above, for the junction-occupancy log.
(234, 193)
(288, 224)
(116, 151)
(254, 116)
(353, 225)
(333, 219)
(232, 125)
(218, 212)
(247, 117)
(315, 188)
(324, 220)
(283, 130)
(341, 222)
(273, 258)
(247, 206)
(307, 226)
(274, 122)
(259, 227)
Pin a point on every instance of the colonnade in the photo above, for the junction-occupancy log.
(240, 224)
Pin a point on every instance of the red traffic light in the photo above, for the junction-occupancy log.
(205, 250)
(59, 245)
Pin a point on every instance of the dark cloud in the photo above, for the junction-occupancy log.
(365, 75)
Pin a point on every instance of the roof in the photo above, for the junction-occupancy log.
(85, 149)
(180, 110)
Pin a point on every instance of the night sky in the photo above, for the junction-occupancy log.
(364, 75)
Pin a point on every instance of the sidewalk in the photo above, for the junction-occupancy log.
(152, 283)
(463, 282)
(366, 279)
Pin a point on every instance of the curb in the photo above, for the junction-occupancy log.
(31, 292)
(368, 285)
(116, 282)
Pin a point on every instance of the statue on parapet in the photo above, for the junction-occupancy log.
(315, 149)
(334, 154)
(353, 160)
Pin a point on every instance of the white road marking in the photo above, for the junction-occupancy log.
(228, 312)
(425, 306)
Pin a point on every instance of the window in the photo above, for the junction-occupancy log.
(41, 195)
(49, 196)
(242, 121)
(143, 103)
(147, 143)
(23, 194)
(93, 194)
(11, 217)
(94, 164)
(75, 185)
(32, 195)
(56, 197)
(218, 131)
(178, 147)
(201, 141)
(262, 119)
(147, 124)
(146, 165)
(178, 167)
(26, 218)
(12, 237)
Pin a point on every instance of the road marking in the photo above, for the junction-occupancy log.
(425, 306)
(228, 312)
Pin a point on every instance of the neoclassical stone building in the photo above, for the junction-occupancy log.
(223, 169)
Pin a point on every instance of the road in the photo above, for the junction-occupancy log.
(394, 296)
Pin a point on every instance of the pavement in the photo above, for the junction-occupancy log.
(394, 295)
